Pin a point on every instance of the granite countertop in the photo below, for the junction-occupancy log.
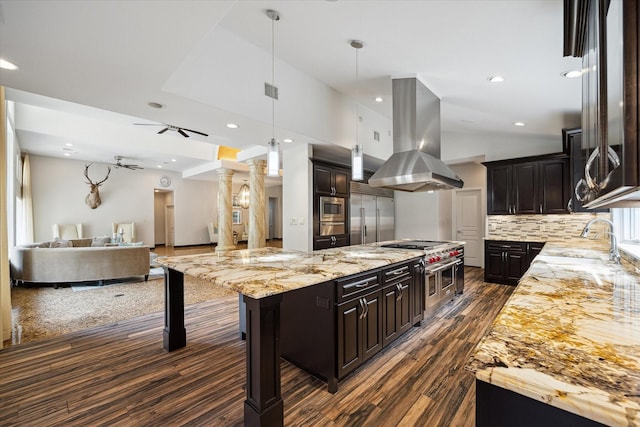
(259, 273)
(569, 335)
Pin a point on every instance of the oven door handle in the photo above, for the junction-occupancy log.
(441, 267)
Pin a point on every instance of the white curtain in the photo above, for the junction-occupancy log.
(27, 200)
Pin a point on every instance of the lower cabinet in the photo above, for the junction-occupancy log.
(332, 328)
(326, 242)
(507, 261)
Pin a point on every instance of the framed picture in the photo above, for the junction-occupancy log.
(234, 201)
(236, 216)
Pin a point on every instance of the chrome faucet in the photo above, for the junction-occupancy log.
(614, 254)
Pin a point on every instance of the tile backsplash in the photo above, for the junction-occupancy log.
(542, 228)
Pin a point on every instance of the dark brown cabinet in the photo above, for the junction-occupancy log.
(534, 185)
(326, 242)
(507, 261)
(331, 180)
(332, 328)
(417, 291)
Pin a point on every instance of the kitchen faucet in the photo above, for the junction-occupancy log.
(614, 254)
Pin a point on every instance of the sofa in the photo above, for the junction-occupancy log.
(39, 263)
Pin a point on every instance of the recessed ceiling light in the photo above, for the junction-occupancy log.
(378, 99)
(572, 74)
(155, 104)
(68, 144)
(67, 154)
(232, 126)
(7, 65)
(173, 160)
(518, 124)
(496, 79)
(159, 166)
(287, 140)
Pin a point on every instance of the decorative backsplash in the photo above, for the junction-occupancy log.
(543, 228)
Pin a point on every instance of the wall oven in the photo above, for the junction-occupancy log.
(332, 209)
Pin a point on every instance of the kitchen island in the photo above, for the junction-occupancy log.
(565, 349)
(262, 276)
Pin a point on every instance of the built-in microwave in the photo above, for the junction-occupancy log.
(332, 209)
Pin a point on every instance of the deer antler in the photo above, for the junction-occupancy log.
(86, 174)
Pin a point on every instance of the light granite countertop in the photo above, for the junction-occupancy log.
(259, 273)
(569, 335)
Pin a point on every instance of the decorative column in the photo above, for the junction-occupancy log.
(225, 196)
(257, 232)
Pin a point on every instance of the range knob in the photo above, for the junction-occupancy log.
(438, 258)
(432, 260)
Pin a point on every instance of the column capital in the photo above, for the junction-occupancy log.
(257, 166)
(225, 173)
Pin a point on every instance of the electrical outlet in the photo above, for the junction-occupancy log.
(294, 221)
(301, 220)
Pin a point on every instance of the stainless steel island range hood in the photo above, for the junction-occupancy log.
(415, 164)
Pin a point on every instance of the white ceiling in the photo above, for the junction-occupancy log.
(88, 70)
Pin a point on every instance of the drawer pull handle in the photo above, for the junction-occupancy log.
(360, 284)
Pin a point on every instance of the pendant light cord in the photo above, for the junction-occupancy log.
(273, 78)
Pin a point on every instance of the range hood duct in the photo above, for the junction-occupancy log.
(415, 164)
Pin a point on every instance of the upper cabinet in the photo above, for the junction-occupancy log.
(331, 180)
(533, 185)
(605, 34)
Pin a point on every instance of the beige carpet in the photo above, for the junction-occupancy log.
(43, 312)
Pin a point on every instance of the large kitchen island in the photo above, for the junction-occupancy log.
(263, 276)
(565, 349)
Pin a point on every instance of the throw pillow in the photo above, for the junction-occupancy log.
(60, 243)
(100, 241)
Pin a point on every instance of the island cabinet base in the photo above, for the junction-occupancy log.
(498, 407)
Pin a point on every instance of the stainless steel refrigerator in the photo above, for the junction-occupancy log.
(372, 214)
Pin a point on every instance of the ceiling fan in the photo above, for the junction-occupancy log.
(181, 131)
(119, 164)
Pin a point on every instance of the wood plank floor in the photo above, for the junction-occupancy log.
(118, 375)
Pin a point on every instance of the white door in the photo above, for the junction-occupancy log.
(169, 226)
(468, 224)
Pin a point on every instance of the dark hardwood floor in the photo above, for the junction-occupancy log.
(118, 375)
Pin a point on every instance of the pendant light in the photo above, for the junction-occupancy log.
(357, 152)
(273, 148)
(243, 195)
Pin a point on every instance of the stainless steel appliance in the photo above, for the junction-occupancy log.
(372, 214)
(444, 270)
(332, 209)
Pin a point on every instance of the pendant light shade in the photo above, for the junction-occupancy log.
(356, 163)
(273, 148)
(356, 151)
(243, 196)
(273, 158)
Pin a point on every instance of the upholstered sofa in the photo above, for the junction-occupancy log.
(55, 265)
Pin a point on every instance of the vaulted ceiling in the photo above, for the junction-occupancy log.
(89, 69)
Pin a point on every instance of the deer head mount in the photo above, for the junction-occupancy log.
(93, 198)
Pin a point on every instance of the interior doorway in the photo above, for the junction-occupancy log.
(468, 224)
(164, 218)
(273, 210)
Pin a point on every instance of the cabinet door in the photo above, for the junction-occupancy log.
(554, 190)
(322, 180)
(516, 263)
(499, 190)
(494, 268)
(349, 346)
(405, 319)
(525, 185)
(372, 325)
(341, 182)
(323, 242)
(390, 326)
(417, 293)
(533, 249)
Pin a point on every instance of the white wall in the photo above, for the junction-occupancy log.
(297, 201)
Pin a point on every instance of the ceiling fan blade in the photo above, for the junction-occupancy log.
(181, 132)
(195, 131)
(133, 167)
(164, 130)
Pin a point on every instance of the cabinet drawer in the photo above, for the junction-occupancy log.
(395, 274)
(356, 286)
(506, 246)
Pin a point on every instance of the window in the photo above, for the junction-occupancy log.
(627, 224)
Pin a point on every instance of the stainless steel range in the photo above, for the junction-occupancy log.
(444, 270)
